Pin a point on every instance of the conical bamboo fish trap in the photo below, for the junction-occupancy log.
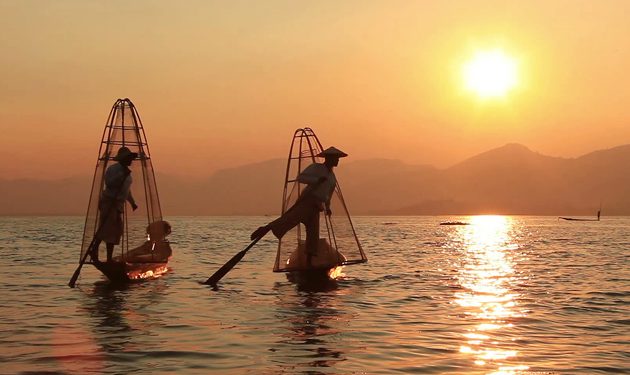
(143, 248)
(338, 244)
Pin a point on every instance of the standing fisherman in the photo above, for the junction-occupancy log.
(321, 183)
(112, 202)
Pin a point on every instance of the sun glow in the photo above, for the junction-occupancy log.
(490, 74)
(487, 278)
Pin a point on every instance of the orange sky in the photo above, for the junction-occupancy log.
(226, 83)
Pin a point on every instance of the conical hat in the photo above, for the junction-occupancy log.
(125, 153)
(332, 151)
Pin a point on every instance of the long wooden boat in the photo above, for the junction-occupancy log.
(454, 223)
(338, 243)
(144, 251)
(581, 219)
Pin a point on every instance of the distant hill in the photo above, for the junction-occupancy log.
(507, 180)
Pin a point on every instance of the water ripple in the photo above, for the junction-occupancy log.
(502, 296)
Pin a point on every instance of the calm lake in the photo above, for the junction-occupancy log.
(503, 295)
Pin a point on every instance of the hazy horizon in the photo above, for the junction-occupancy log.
(511, 179)
(346, 161)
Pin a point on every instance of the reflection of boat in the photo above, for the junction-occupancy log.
(312, 323)
(338, 245)
(117, 316)
(599, 212)
(316, 280)
(143, 251)
(454, 223)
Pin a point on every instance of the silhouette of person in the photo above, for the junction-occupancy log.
(112, 202)
(321, 183)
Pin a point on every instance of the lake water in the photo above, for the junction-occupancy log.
(504, 295)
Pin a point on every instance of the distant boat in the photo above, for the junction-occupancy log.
(454, 223)
(599, 212)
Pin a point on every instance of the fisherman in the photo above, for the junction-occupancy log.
(321, 183)
(112, 202)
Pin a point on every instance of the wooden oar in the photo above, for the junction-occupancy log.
(75, 275)
(214, 279)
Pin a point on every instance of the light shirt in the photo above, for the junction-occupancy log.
(114, 184)
(321, 190)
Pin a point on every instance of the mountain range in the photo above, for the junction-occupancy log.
(507, 180)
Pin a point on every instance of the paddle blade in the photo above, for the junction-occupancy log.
(214, 279)
(77, 272)
(75, 276)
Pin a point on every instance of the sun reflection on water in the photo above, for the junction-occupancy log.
(485, 276)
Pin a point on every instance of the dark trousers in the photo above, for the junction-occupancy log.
(306, 211)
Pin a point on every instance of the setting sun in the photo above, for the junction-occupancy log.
(490, 74)
(483, 226)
